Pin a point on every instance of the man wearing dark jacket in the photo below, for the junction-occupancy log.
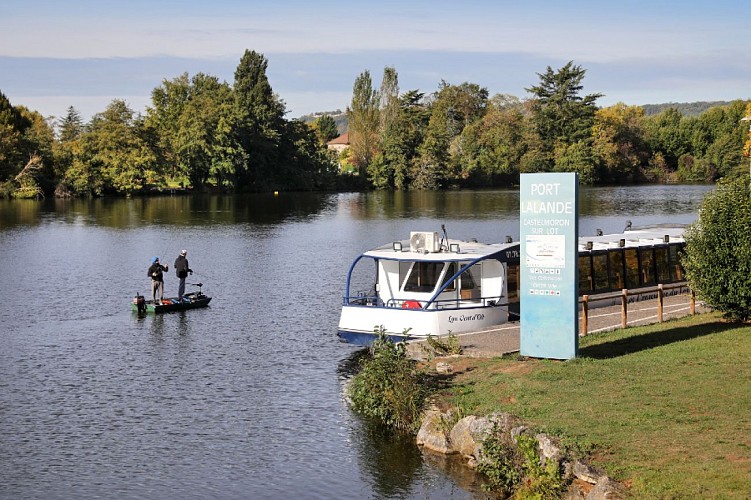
(182, 269)
(157, 280)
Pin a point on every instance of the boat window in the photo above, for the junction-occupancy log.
(585, 274)
(646, 259)
(512, 285)
(676, 269)
(422, 277)
(662, 262)
(469, 279)
(450, 271)
(616, 269)
(600, 271)
(632, 268)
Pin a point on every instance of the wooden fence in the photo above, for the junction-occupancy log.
(624, 294)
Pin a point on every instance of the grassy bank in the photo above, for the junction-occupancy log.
(666, 408)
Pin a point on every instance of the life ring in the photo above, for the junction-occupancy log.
(411, 304)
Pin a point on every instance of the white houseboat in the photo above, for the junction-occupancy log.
(636, 259)
(430, 286)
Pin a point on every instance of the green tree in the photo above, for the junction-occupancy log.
(38, 141)
(114, 155)
(618, 144)
(453, 108)
(194, 122)
(13, 126)
(665, 134)
(260, 122)
(559, 113)
(494, 145)
(717, 256)
(325, 128)
(363, 119)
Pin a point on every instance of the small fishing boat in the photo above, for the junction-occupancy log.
(192, 300)
(428, 286)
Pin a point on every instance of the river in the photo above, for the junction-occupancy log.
(243, 399)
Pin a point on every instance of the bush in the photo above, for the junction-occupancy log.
(717, 256)
(389, 387)
(513, 467)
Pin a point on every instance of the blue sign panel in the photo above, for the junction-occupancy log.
(549, 228)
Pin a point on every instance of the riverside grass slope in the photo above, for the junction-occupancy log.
(665, 408)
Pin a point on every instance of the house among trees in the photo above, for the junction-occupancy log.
(340, 143)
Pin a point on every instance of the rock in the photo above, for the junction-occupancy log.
(518, 431)
(443, 367)
(505, 422)
(586, 472)
(606, 489)
(549, 449)
(432, 435)
(469, 433)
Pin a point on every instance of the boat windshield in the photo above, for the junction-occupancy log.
(420, 276)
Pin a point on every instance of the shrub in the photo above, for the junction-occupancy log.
(434, 346)
(389, 387)
(717, 256)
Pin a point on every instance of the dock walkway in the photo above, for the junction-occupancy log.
(504, 339)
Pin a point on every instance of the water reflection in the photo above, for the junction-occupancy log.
(180, 210)
(270, 209)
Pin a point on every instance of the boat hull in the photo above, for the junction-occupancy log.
(360, 325)
(172, 305)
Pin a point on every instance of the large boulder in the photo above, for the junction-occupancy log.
(432, 434)
(606, 489)
(469, 433)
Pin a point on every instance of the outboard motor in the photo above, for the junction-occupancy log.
(140, 302)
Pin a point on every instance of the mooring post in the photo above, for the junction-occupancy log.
(585, 315)
(659, 303)
(693, 303)
(624, 308)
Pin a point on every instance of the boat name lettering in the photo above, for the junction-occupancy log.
(468, 317)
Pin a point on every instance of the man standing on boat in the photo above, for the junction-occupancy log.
(182, 269)
(157, 280)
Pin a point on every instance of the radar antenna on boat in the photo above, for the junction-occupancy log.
(445, 238)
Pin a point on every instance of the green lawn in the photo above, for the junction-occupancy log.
(667, 408)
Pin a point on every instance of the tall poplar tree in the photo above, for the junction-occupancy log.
(260, 121)
(363, 118)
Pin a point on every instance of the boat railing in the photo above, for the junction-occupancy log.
(365, 299)
(362, 299)
(453, 303)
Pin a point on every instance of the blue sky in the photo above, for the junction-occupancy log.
(54, 55)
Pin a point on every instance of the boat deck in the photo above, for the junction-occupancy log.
(504, 339)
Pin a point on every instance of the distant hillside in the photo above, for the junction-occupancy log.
(684, 108)
(339, 116)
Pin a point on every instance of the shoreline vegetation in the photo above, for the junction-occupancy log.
(203, 134)
(661, 409)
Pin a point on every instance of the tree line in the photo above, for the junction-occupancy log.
(461, 137)
(201, 133)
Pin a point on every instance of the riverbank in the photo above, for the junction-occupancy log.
(664, 408)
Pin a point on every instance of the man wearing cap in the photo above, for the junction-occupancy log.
(157, 280)
(182, 269)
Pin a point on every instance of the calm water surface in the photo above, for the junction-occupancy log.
(243, 399)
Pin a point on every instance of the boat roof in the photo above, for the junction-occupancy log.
(468, 250)
(637, 237)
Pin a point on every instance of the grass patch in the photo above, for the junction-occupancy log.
(666, 407)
